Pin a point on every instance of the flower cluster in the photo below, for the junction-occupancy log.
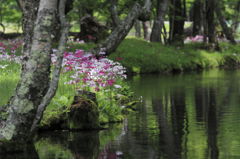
(90, 71)
(84, 68)
(10, 46)
(197, 38)
(8, 50)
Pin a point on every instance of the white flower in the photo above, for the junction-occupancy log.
(3, 66)
(117, 86)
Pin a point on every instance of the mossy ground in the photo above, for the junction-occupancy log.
(140, 56)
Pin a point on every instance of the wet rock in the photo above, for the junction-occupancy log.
(84, 112)
(81, 115)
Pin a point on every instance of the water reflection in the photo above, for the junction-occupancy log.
(191, 116)
(29, 152)
(78, 145)
(192, 112)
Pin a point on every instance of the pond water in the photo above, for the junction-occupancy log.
(186, 116)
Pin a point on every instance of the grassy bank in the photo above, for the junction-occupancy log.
(137, 56)
(140, 56)
(110, 106)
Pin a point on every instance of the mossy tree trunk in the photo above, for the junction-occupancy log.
(29, 9)
(33, 87)
(121, 31)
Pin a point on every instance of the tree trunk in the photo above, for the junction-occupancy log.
(58, 66)
(211, 22)
(162, 6)
(114, 13)
(119, 33)
(226, 30)
(34, 80)
(236, 20)
(30, 9)
(205, 24)
(20, 4)
(145, 30)
(177, 20)
(197, 18)
(146, 11)
(137, 27)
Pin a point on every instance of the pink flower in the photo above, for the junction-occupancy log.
(97, 89)
(79, 53)
(119, 58)
(110, 82)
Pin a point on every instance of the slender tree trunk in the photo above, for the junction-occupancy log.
(162, 6)
(20, 4)
(211, 22)
(197, 17)
(119, 33)
(137, 27)
(58, 66)
(236, 20)
(164, 33)
(30, 9)
(177, 20)
(226, 30)
(114, 13)
(204, 20)
(34, 81)
(145, 30)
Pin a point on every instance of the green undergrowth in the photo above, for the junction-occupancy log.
(9, 76)
(140, 56)
(111, 104)
(137, 56)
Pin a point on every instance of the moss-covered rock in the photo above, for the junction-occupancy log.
(84, 112)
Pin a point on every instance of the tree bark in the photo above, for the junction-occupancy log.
(197, 18)
(177, 20)
(137, 26)
(211, 22)
(20, 4)
(145, 30)
(30, 9)
(119, 33)
(34, 80)
(162, 6)
(226, 30)
(57, 69)
(114, 13)
(236, 21)
(146, 11)
(205, 24)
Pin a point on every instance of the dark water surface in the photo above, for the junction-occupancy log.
(188, 116)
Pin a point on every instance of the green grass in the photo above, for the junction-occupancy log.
(110, 111)
(12, 28)
(8, 80)
(140, 56)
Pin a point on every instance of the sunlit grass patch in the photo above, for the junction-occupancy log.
(145, 57)
(9, 76)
